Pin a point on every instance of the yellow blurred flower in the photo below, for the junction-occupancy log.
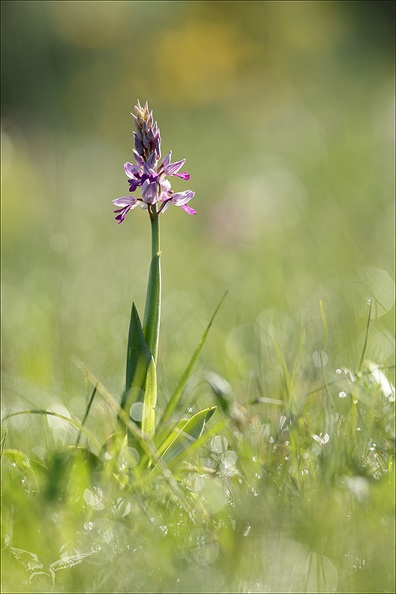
(201, 61)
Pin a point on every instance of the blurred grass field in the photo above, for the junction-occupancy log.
(285, 114)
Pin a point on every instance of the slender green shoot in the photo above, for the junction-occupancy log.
(370, 301)
(175, 398)
(152, 311)
(86, 413)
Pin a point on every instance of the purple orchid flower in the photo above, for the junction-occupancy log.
(149, 173)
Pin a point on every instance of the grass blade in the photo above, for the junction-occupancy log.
(75, 424)
(3, 440)
(184, 434)
(86, 414)
(113, 404)
(366, 336)
(175, 398)
(193, 446)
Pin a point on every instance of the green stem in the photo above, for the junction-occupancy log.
(155, 234)
(152, 311)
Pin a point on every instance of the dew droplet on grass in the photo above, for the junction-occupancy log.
(247, 530)
(121, 507)
(138, 411)
(320, 358)
(229, 458)
(219, 444)
(131, 457)
(94, 499)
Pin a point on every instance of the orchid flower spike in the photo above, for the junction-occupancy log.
(149, 172)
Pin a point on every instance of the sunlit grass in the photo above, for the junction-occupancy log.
(294, 491)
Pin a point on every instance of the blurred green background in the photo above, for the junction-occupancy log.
(284, 112)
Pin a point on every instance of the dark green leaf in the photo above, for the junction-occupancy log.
(138, 359)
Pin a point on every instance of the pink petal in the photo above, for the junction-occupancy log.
(126, 201)
(131, 170)
(180, 198)
(188, 209)
(149, 192)
(166, 159)
(183, 175)
(172, 168)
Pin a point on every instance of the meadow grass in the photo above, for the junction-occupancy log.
(288, 489)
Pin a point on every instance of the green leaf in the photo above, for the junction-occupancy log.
(175, 398)
(138, 360)
(150, 400)
(186, 432)
(152, 311)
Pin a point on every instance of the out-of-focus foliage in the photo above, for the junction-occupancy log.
(285, 113)
(288, 496)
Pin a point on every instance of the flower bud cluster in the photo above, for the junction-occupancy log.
(147, 135)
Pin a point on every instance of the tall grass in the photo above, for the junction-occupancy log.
(290, 490)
